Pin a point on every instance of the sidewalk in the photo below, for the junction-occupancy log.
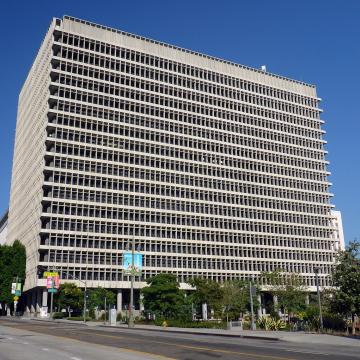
(299, 337)
(296, 337)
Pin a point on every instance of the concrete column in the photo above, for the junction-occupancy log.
(28, 303)
(119, 301)
(259, 311)
(276, 304)
(44, 302)
(142, 308)
(38, 299)
(204, 311)
(307, 299)
(33, 300)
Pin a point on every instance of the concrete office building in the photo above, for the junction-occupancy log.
(338, 230)
(214, 168)
(3, 228)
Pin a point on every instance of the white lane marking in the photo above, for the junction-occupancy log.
(75, 358)
(10, 338)
(307, 352)
(45, 349)
(25, 343)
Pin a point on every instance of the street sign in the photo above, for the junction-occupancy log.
(13, 288)
(18, 289)
(49, 282)
(50, 274)
(56, 281)
(128, 261)
(52, 290)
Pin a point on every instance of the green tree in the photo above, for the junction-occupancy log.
(12, 265)
(70, 296)
(289, 289)
(236, 299)
(97, 298)
(207, 292)
(345, 298)
(163, 296)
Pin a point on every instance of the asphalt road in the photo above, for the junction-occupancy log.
(39, 339)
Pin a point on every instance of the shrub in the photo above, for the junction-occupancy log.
(191, 324)
(59, 315)
(334, 322)
(79, 318)
(121, 317)
(92, 313)
(269, 323)
(264, 323)
(277, 324)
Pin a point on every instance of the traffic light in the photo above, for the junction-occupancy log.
(40, 272)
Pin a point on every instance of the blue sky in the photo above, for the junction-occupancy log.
(313, 41)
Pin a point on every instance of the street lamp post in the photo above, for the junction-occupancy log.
(252, 306)
(316, 271)
(131, 309)
(52, 298)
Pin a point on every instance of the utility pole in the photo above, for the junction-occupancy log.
(131, 309)
(251, 306)
(85, 303)
(316, 271)
(105, 310)
(52, 298)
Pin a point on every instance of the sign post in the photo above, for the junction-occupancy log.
(132, 265)
(16, 290)
(52, 284)
(252, 291)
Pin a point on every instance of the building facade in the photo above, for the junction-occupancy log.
(338, 232)
(3, 228)
(214, 169)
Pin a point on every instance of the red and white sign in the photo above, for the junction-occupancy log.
(56, 282)
(49, 282)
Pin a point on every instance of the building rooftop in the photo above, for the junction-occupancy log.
(67, 17)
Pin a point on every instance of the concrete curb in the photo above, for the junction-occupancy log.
(58, 321)
(168, 330)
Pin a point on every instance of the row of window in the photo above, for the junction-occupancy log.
(166, 208)
(186, 262)
(236, 135)
(134, 172)
(173, 145)
(172, 104)
(222, 113)
(110, 274)
(147, 159)
(228, 99)
(182, 204)
(188, 241)
(220, 191)
(75, 107)
(176, 67)
(166, 222)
